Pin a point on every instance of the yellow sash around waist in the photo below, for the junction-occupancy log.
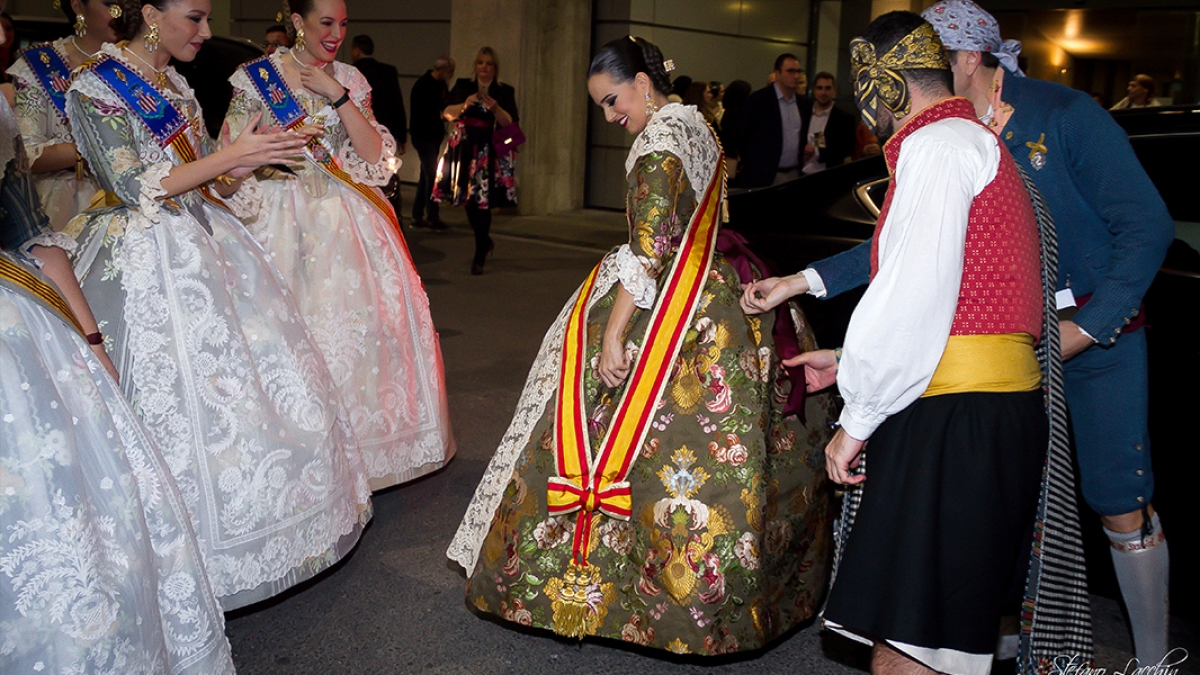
(986, 363)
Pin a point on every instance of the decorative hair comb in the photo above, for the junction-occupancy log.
(668, 65)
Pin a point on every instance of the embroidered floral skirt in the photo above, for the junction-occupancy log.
(729, 542)
(471, 173)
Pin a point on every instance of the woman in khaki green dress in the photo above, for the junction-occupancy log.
(655, 485)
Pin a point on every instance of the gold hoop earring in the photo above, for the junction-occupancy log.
(151, 39)
(80, 26)
(651, 107)
(114, 11)
(300, 43)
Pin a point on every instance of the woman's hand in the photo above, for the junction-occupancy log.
(614, 363)
(257, 147)
(321, 83)
(767, 294)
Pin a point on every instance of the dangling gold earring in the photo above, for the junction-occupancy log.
(80, 26)
(300, 43)
(151, 39)
(114, 11)
(651, 108)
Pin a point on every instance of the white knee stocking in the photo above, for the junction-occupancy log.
(1143, 566)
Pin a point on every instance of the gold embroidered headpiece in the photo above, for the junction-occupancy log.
(876, 79)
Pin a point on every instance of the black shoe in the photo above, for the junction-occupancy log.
(476, 269)
(418, 223)
(437, 225)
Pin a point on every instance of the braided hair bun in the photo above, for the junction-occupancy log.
(131, 20)
(623, 58)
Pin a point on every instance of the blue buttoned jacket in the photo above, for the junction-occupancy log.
(1113, 227)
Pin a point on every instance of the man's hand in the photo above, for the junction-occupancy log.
(820, 368)
(767, 294)
(841, 456)
(1073, 339)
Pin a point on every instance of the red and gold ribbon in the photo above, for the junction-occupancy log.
(593, 483)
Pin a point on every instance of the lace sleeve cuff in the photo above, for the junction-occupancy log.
(635, 279)
(377, 174)
(150, 193)
(58, 239)
(245, 202)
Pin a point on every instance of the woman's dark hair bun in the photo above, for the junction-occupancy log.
(623, 58)
(130, 21)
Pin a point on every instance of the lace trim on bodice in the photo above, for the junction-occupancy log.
(680, 130)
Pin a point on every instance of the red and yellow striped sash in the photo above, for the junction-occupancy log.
(590, 482)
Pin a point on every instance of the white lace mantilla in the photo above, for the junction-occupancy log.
(681, 130)
(540, 386)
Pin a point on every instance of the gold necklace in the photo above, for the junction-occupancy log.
(79, 49)
(160, 76)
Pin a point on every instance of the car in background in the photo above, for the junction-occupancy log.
(807, 219)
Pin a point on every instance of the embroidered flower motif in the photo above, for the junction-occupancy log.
(517, 613)
(678, 480)
(678, 646)
(633, 632)
(723, 643)
(619, 535)
(746, 550)
(777, 537)
(711, 575)
(722, 392)
(553, 532)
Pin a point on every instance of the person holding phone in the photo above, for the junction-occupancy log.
(473, 173)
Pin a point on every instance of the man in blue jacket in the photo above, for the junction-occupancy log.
(1113, 233)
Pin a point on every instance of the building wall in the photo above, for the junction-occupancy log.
(721, 40)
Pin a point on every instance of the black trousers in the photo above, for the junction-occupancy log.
(427, 151)
(481, 223)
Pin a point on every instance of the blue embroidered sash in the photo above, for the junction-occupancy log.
(160, 116)
(53, 73)
(274, 91)
(164, 121)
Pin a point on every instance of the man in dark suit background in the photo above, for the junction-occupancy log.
(829, 130)
(428, 100)
(770, 132)
(387, 101)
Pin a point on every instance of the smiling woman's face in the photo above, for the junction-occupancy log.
(623, 103)
(324, 28)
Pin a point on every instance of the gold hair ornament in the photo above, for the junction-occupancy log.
(669, 65)
(115, 11)
(876, 79)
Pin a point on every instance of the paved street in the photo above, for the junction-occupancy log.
(396, 604)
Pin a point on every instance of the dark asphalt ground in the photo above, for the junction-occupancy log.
(396, 605)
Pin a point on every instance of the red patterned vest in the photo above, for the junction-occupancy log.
(1001, 289)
